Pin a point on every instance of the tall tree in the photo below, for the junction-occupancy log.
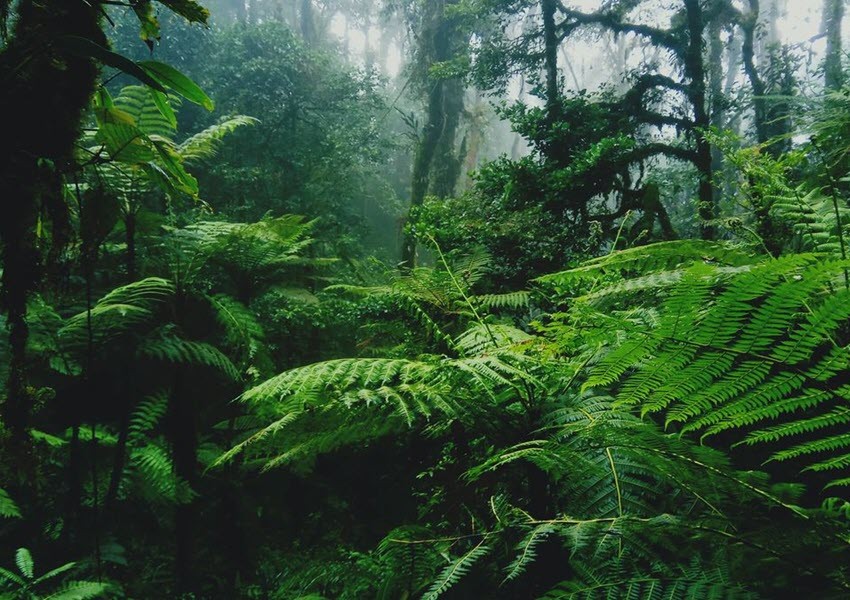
(439, 35)
(833, 18)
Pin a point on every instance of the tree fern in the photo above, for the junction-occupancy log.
(204, 144)
(8, 508)
(455, 570)
(732, 351)
(176, 350)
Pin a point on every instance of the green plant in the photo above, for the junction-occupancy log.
(25, 585)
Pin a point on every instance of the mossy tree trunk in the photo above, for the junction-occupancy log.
(45, 91)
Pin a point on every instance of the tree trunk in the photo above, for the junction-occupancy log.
(550, 58)
(308, 22)
(441, 121)
(130, 239)
(695, 72)
(184, 450)
(718, 108)
(833, 17)
(38, 78)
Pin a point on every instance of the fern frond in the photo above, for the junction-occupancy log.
(79, 590)
(455, 570)
(24, 562)
(8, 508)
(204, 145)
(177, 350)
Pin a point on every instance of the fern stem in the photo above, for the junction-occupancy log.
(833, 187)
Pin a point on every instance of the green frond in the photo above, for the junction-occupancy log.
(455, 570)
(527, 550)
(641, 261)
(484, 337)
(146, 416)
(152, 471)
(204, 145)
(8, 508)
(651, 588)
(79, 590)
(510, 300)
(24, 562)
(124, 310)
(757, 346)
(138, 102)
(176, 350)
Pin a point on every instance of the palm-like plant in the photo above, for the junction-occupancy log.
(25, 585)
(132, 152)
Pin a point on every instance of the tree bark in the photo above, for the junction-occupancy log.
(695, 72)
(833, 17)
(550, 59)
(445, 104)
(40, 78)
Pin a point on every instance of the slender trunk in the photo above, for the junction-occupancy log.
(120, 456)
(550, 58)
(184, 449)
(130, 238)
(718, 108)
(438, 39)
(308, 21)
(758, 87)
(447, 161)
(833, 17)
(695, 72)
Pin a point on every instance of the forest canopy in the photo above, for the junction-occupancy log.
(419, 299)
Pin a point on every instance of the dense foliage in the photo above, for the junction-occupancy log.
(291, 319)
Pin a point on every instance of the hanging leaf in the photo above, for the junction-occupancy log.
(188, 9)
(148, 23)
(170, 77)
(164, 107)
(86, 48)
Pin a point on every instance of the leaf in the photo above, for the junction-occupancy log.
(86, 48)
(8, 508)
(455, 570)
(188, 9)
(164, 106)
(148, 23)
(172, 78)
(23, 559)
(79, 590)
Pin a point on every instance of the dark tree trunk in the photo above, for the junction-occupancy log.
(717, 99)
(550, 58)
(38, 78)
(447, 161)
(439, 131)
(695, 71)
(130, 239)
(748, 26)
(184, 451)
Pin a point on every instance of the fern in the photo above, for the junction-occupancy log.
(8, 508)
(703, 587)
(755, 347)
(176, 350)
(455, 570)
(124, 310)
(663, 257)
(204, 145)
(24, 562)
(79, 590)
(139, 103)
